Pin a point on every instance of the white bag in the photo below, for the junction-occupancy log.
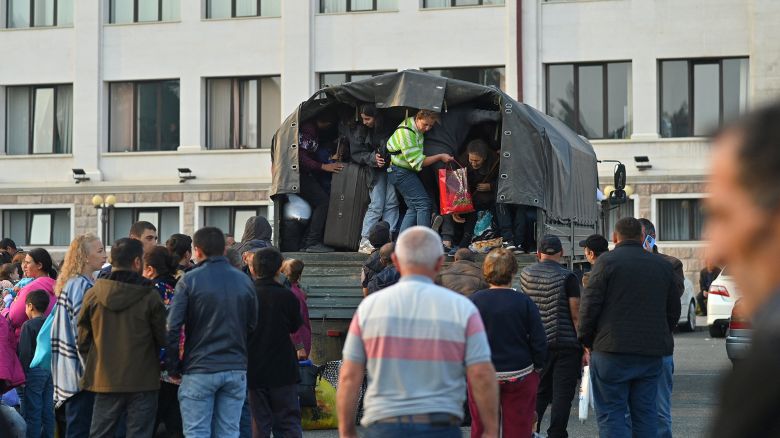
(586, 394)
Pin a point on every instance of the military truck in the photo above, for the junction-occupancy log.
(542, 164)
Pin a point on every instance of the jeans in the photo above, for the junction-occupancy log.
(559, 384)
(517, 403)
(219, 396)
(38, 403)
(312, 192)
(419, 207)
(277, 410)
(245, 425)
(140, 409)
(383, 205)
(78, 414)
(406, 430)
(623, 382)
(11, 422)
(515, 224)
(665, 386)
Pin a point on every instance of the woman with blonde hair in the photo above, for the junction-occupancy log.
(85, 256)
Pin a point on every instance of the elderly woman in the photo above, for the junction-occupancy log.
(518, 344)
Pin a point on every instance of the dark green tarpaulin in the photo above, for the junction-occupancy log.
(543, 162)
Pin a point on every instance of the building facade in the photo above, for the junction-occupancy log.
(131, 92)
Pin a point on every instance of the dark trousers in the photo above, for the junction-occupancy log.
(78, 414)
(38, 403)
(623, 385)
(168, 412)
(515, 223)
(140, 408)
(558, 386)
(313, 193)
(702, 300)
(277, 410)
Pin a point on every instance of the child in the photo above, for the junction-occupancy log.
(293, 269)
(38, 401)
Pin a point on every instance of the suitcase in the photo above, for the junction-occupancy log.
(349, 198)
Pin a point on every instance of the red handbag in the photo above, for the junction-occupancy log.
(454, 196)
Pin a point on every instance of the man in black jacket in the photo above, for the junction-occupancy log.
(627, 314)
(744, 230)
(273, 363)
(556, 292)
(217, 305)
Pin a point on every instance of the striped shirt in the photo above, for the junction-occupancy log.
(406, 146)
(416, 340)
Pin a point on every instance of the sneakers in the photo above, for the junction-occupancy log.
(452, 251)
(436, 223)
(517, 249)
(318, 249)
(365, 246)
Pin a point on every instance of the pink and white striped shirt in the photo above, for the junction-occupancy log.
(416, 340)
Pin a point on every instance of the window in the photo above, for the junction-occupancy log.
(617, 213)
(231, 220)
(680, 219)
(39, 13)
(699, 95)
(489, 76)
(39, 119)
(337, 6)
(37, 227)
(165, 219)
(243, 113)
(426, 4)
(338, 78)
(593, 99)
(243, 8)
(144, 116)
(142, 11)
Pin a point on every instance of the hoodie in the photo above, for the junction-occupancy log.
(121, 329)
(257, 234)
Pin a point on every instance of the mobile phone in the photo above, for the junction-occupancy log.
(649, 243)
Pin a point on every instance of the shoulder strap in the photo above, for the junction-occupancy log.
(401, 126)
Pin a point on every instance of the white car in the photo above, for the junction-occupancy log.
(721, 297)
(688, 308)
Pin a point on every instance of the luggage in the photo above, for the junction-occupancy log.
(349, 198)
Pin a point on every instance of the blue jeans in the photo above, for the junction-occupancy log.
(219, 396)
(394, 430)
(384, 204)
(623, 383)
(418, 204)
(13, 421)
(38, 403)
(665, 386)
(78, 414)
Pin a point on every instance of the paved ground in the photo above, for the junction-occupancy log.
(699, 362)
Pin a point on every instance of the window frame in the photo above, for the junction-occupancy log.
(55, 19)
(690, 64)
(134, 132)
(29, 210)
(240, 80)
(200, 212)
(31, 94)
(454, 5)
(348, 75)
(374, 5)
(635, 199)
(135, 13)
(233, 11)
(654, 215)
(139, 207)
(604, 94)
(467, 67)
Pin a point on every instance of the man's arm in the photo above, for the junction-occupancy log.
(350, 379)
(573, 293)
(157, 322)
(673, 306)
(484, 389)
(591, 304)
(177, 314)
(537, 336)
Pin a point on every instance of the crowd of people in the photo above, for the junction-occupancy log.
(192, 338)
(404, 159)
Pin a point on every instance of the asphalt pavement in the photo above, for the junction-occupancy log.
(700, 362)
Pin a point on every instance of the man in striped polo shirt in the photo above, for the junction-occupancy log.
(407, 159)
(418, 342)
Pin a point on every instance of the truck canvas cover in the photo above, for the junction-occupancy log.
(543, 162)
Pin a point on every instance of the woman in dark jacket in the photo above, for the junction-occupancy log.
(517, 342)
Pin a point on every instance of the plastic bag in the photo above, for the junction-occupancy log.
(483, 229)
(454, 196)
(296, 208)
(324, 415)
(586, 394)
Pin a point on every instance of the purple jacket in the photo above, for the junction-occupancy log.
(302, 337)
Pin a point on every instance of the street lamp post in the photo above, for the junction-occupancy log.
(104, 205)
